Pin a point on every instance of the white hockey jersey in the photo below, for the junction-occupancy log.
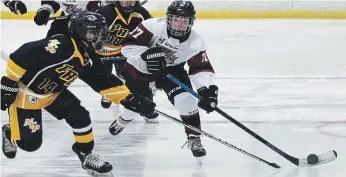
(152, 33)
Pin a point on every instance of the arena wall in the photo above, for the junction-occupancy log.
(215, 9)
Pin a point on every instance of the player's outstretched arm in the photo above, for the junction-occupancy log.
(114, 90)
(9, 90)
(47, 8)
(16, 6)
(202, 76)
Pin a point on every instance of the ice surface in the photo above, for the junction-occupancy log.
(285, 79)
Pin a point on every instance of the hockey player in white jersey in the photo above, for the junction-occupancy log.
(161, 46)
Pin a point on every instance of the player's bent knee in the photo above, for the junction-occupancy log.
(30, 145)
(59, 108)
(77, 116)
(186, 103)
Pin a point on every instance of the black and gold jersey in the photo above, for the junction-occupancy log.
(46, 67)
(120, 24)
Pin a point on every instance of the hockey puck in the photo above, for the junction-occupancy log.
(312, 159)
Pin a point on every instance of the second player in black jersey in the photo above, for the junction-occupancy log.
(37, 77)
(122, 17)
(59, 26)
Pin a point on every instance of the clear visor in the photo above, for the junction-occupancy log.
(97, 38)
(178, 25)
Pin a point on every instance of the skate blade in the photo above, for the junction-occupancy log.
(152, 121)
(96, 174)
(199, 160)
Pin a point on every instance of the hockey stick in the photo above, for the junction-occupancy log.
(65, 17)
(301, 162)
(113, 58)
(274, 165)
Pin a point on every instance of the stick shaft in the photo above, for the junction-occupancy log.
(217, 139)
(271, 146)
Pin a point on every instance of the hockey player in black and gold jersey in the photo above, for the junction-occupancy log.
(122, 17)
(38, 74)
(68, 7)
(17, 7)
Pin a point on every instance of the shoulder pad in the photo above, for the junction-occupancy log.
(104, 10)
(197, 41)
(152, 24)
(144, 12)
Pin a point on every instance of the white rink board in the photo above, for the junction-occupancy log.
(235, 5)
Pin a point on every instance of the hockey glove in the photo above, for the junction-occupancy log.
(155, 58)
(9, 90)
(210, 98)
(16, 6)
(42, 16)
(141, 105)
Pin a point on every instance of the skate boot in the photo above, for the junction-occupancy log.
(105, 103)
(194, 143)
(9, 149)
(118, 126)
(93, 164)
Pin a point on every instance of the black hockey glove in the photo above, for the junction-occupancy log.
(9, 90)
(141, 105)
(155, 58)
(210, 98)
(42, 16)
(16, 6)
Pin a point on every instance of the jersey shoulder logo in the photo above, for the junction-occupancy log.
(205, 58)
(91, 17)
(52, 46)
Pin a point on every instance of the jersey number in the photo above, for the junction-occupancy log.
(47, 85)
(67, 74)
(136, 32)
(117, 34)
(205, 58)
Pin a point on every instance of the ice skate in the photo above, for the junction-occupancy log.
(92, 163)
(194, 143)
(105, 103)
(118, 126)
(151, 121)
(9, 149)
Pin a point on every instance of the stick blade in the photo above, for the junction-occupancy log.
(274, 165)
(322, 159)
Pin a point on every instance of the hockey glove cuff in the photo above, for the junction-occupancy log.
(9, 90)
(210, 98)
(141, 105)
(42, 15)
(16, 6)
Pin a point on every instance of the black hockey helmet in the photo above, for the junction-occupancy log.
(89, 27)
(126, 5)
(180, 18)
